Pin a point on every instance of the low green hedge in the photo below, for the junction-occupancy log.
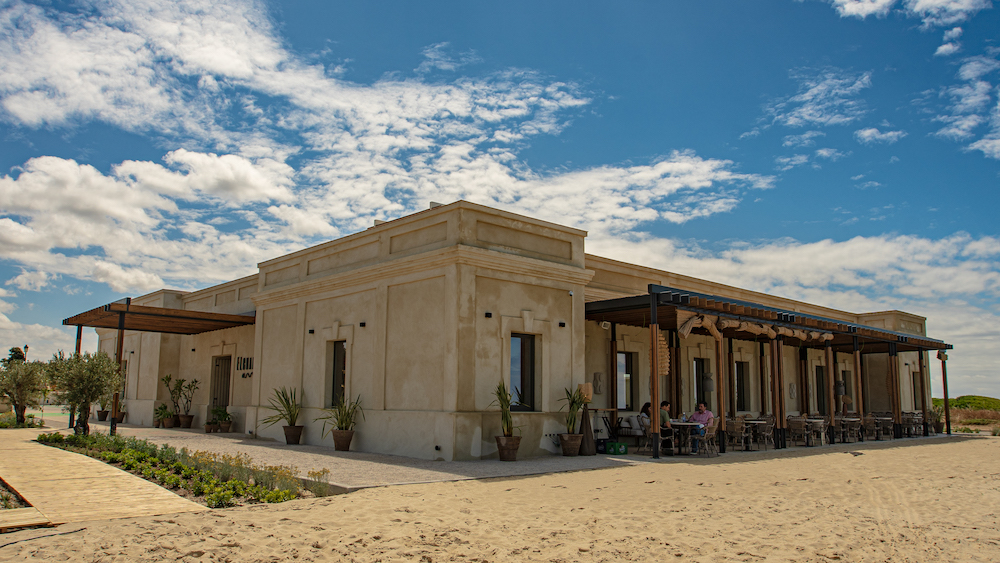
(202, 474)
(971, 402)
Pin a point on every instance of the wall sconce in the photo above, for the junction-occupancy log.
(192, 349)
(362, 324)
(562, 324)
(489, 315)
(311, 331)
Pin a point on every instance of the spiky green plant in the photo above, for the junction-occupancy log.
(504, 399)
(574, 402)
(286, 407)
(342, 415)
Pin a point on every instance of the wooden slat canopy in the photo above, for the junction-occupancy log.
(157, 319)
(671, 303)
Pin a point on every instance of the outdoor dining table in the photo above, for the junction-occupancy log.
(878, 427)
(684, 428)
(810, 424)
(755, 425)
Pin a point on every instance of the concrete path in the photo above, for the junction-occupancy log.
(66, 487)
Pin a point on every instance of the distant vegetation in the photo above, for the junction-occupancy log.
(971, 402)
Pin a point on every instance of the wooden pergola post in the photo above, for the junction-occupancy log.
(777, 370)
(831, 397)
(677, 393)
(654, 374)
(731, 378)
(897, 403)
(858, 381)
(923, 393)
(613, 384)
(943, 356)
(763, 378)
(720, 394)
(803, 373)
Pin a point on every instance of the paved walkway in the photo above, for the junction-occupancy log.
(66, 487)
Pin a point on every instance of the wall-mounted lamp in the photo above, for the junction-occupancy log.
(562, 324)
(192, 349)
(311, 331)
(571, 294)
(362, 324)
(133, 352)
(489, 315)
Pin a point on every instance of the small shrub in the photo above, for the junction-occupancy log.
(967, 430)
(319, 482)
(219, 499)
(53, 438)
(995, 431)
(171, 481)
(279, 496)
(196, 486)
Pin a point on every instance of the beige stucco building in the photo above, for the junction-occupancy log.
(423, 315)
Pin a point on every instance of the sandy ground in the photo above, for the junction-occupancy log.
(903, 501)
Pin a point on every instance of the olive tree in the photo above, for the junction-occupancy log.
(83, 379)
(24, 383)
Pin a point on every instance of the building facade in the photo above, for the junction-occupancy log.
(420, 317)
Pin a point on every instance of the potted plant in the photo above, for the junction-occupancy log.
(508, 443)
(175, 391)
(288, 409)
(341, 418)
(211, 426)
(222, 416)
(187, 395)
(121, 413)
(102, 413)
(164, 416)
(570, 441)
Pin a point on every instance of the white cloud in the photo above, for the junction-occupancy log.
(803, 140)
(872, 135)
(952, 34)
(830, 154)
(788, 162)
(948, 49)
(30, 281)
(862, 8)
(932, 12)
(436, 57)
(825, 97)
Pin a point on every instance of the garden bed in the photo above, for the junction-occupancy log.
(217, 481)
(9, 499)
(8, 420)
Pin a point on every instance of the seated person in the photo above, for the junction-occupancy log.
(666, 430)
(701, 416)
(645, 415)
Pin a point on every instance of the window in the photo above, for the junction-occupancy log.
(742, 386)
(700, 377)
(626, 381)
(336, 354)
(821, 390)
(522, 371)
(848, 387)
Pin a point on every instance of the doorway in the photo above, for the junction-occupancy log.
(221, 373)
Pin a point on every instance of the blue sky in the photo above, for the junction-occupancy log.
(842, 152)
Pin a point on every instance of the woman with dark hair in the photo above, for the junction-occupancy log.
(645, 415)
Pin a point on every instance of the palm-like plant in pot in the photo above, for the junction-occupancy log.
(341, 417)
(570, 441)
(222, 416)
(508, 443)
(287, 408)
(164, 416)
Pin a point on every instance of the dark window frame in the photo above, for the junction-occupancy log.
(743, 393)
(526, 371)
(631, 392)
(337, 353)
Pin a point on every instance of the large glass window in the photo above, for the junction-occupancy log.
(700, 376)
(849, 388)
(337, 356)
(626, 381)
(742, 386)
(522, 371)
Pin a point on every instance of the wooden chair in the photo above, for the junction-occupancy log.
(709, 441)
(739, 433)
(765, 433)
(647, 436)
(797, 429)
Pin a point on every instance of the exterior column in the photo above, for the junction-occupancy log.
(654, 375)
(858, 383)
(803, 369)
(720, 395)
(763, 378)
(923, 394)
(943, 356)
(118, 358)
(613, 384)
(779, 396)
(731, 379)
(677, 393)
(831, 396)
(79, 338)
(897, 404)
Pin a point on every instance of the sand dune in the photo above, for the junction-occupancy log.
(907, 501)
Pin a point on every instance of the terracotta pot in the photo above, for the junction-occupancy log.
(507, 447)
(938, 427)
(186, 420)
(208, 429)
(102, 415)
(225, 425)
(167, 422)
(156, 423)
(570, 444)
(177, 420)
(342, 440)
(293, 434)
(121, 417)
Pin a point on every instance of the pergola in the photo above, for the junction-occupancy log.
(681, 313)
